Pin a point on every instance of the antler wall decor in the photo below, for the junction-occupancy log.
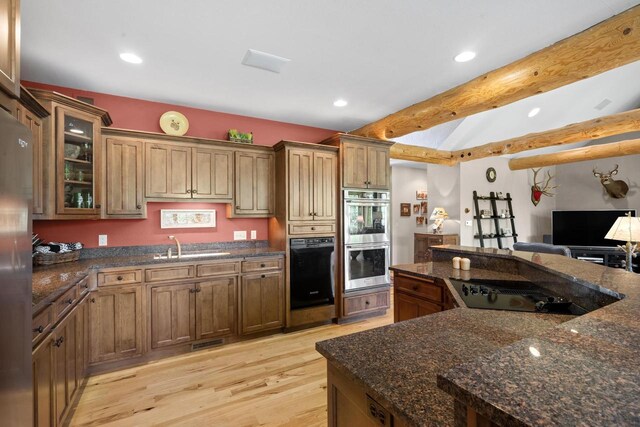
(538, 189)
(616, 188)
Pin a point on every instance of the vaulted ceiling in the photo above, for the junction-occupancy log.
(380, 56)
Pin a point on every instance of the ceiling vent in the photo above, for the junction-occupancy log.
(264, 61)
(603, 104)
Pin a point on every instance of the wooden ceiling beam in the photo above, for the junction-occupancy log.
(421, 154)
(615, 124)
(610, 44)
(592, 152)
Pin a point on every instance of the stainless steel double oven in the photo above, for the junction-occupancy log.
(366, 231)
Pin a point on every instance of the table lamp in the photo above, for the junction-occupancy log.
(627, 229)
(438, 216)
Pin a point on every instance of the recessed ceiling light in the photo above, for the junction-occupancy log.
(534, 112)
(131, 58)
(465, 56)
(340, 103)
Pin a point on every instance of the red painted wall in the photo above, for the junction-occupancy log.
(133, 232)
(130, 113)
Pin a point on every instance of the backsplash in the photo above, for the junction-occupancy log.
(90, 253)
(143, 232)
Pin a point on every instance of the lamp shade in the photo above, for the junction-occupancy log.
(626, 229)
(438, 213)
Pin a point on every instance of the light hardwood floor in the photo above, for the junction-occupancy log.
(274, 381)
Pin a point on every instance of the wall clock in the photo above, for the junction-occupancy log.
(491, 175)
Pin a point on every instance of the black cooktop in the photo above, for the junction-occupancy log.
(513, 296)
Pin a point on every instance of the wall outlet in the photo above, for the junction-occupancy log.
(239, 235)
(254, 234)
(468, 223)
(102, 240)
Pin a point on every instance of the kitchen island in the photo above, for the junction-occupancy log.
(467, 366)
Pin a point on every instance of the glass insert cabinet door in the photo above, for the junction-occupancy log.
(77, 167)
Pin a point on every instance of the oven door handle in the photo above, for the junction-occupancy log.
(368, 202)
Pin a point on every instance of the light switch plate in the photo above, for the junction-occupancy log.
(254, 234)
(102, 240)
(468, 223)
(239, 235)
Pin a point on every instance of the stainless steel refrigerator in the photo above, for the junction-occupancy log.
(16, 395)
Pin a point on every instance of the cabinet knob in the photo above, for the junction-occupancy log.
(313, 229)
(39, 329)
(262, 266)
(98, 206)
(194, 191)
(138, 207)
(310, 213)
(263, 276)
(189, 191)
(93, 300)
(119, 277)
(237, 206)
(86, 285)
(415, 287)
(366, 302)
(59, 342)
(69, 301)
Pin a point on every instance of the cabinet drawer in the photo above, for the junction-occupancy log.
(65, 302)
(217, 269)
(311, 228)
(423, 288)
(364, 303)
(124, 277)
(83, 286)
(41, 324)
(436, 240)
(169, 273)
(261, 265)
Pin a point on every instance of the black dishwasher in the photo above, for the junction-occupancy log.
(311, 272)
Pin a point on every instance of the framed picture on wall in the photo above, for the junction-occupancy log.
(421, 195)
(424, 208)
(405, 209)
(187, 218)
(416, 208)
(419, 220)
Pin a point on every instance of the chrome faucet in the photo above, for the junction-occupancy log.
(177, 244)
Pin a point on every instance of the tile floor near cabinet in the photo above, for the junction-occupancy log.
(274, 381)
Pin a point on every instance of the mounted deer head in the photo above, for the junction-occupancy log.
(538, 189)
(616, 188)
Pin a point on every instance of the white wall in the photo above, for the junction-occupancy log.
(405, 181)
(579, 189)
(444, 191)
(531, 221)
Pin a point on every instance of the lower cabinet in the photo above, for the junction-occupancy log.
(43, 384)
(216, 307)
(364, 303)
(416, 297)
(407, 307)
(193, 311)
(65, 367)
(262, 302)
(115, 319)
(173, 314)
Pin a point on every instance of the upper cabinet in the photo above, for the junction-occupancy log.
(124, 184)
(254, 184)
(10, 47)
(72, 162)
(179, 171)
(312, 184)
(365, 165)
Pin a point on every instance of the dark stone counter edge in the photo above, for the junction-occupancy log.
(128, 262)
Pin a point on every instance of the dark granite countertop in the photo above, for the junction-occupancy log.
(515, 368)
(49, 282)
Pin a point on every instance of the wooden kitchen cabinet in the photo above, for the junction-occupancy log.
(173, 314)
(115, 320)
(419, 296)
(312, 185)
(408, 307)
(10, 47)
(216, 307)
(254, 184)
(175, 171)
(31, 114)
(124, 178)
(422, 243)
(65, 364)
(261, 302)
(43, 384)
(365, 165)
(167, 171)
(212, 174)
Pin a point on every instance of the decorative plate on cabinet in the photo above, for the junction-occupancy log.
(174, 123)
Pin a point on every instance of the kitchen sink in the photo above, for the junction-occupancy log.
(195, 255)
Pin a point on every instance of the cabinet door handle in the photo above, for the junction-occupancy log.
(263, 276)
(198, 290)
(189, 191)
(194, 191)
(262, 266)
(59, 342)
(69, 301)
(311, 214)
(237, 206)
(39, 329)
(415, 287)
(98, 206)
(138, 207)
(93, 300)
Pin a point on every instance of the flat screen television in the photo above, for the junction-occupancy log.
(585, 228)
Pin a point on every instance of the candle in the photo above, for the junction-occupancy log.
(465, 263)
(456, 262)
